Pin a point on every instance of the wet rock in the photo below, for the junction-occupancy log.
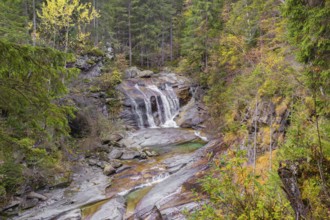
(38, 196)
(115, 154)
(29, 203)
(130, 155)
(123, 168)
(71, 215)
(112, 210)
(108, 170)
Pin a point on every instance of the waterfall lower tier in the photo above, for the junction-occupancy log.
(153, 106)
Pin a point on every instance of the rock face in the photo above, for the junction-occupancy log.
(192, 115)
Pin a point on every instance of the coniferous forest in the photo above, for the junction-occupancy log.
(167, 109)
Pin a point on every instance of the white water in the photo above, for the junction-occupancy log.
(154, 180)
(198, 134)
(167, 106)
(151, 121)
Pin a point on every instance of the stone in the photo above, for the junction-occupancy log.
(92, 162)
(108, 170)
(130, 155)
(29, 203)
(33, 195)
(115, 154)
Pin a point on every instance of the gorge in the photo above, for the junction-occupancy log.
(151, 163)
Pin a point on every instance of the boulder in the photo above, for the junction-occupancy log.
(130, 155)
(108, 170)
(115, 154)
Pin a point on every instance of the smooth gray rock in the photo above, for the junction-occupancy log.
(112, 210)
(159, 137)
(71, 215)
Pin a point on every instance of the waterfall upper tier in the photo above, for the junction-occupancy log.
(155, 101)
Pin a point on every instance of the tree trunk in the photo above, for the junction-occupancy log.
(66, 40)
(95, 25)
(270, 141)
(255, 137)
(34, 34)
(129, 34)
(290, 186)
(171, 40)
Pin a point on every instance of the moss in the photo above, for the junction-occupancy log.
(94, 89)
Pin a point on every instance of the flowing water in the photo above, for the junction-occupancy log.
(157, 108)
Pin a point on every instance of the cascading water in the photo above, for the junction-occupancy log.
(159, 107)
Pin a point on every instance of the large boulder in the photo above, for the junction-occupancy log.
(131, 72)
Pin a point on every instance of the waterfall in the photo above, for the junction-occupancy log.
(159, 107)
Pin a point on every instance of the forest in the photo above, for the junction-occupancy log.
(237, 90)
